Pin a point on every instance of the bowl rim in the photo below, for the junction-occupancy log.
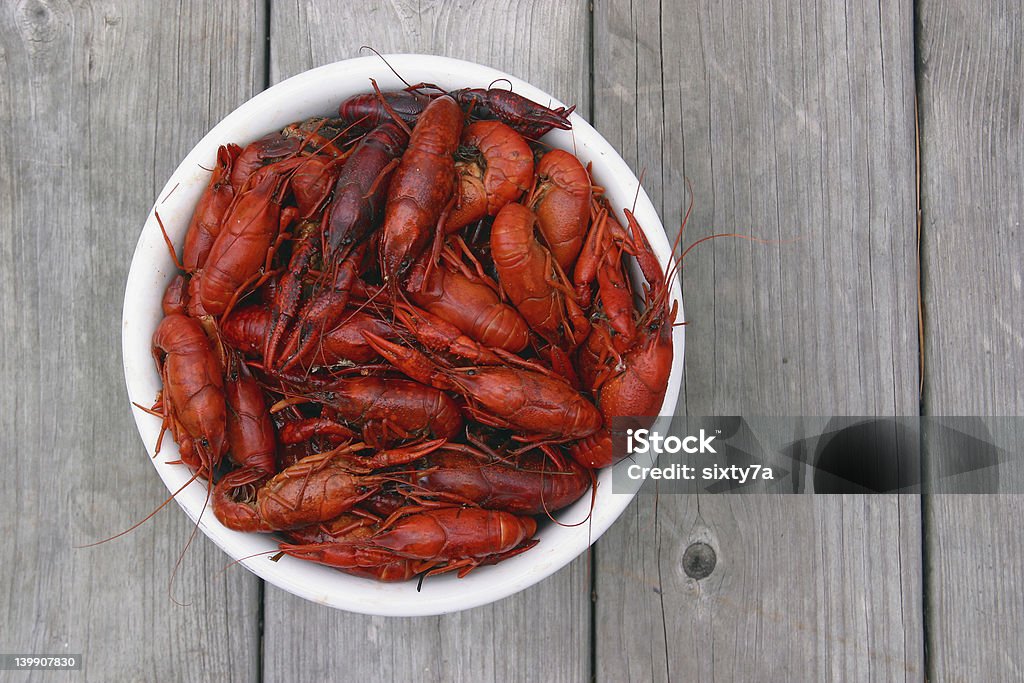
(151, 269)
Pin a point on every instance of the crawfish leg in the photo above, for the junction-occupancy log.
(289, 290)
(439, 239)
(466, 565)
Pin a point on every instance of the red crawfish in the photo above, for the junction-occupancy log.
(356, 207)
(319, 136)
(421, 188)
(440, 336)
(311, 183)
(529, 484)
(603, 233)
(258, 153)
(316, 489)
(332, 530)
(538, 405)
(385, 410)
(494, 166)
(523, 115)
(175, 299)
(213, 205)
(252, 439)
(242, 246)
(361, 189)
(561, 201)
(365, 562)
(192, 399)
(247, 328)
(457, 539)
(633, 381)
(288, 291)
(252, 443)
(533, 281)
(469, 304)
(324, 309)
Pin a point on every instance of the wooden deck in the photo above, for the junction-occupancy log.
(794, 121)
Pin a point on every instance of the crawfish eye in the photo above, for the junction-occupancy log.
(329, 395)
(471, 373)
(204, 442)
(404, 264)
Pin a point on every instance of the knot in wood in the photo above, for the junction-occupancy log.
(699, 560)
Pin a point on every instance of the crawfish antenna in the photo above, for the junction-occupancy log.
(593, 499)
(208, 467)
(388, 64)
(675, 255)
(176, 185)
(240, 560)
(639, 184)
(181, 556)
(145, 519)
(388, 108)
(169, 243)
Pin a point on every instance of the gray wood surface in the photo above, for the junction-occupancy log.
(545, 43)
(972, 66)
(98, 104)
(793, 122)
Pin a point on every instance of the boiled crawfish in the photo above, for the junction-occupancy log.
(397, 337)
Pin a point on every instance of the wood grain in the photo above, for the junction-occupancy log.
(545, 43)
(793, 122)
(98, 103)
(972, 153)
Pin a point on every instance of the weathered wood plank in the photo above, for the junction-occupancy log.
(972, 153)
(546, 44)
(794, 121)
(98, 103)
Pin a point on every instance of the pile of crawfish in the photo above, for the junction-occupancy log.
(399, 335)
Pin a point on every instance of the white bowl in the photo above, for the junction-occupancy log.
(318, 92)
